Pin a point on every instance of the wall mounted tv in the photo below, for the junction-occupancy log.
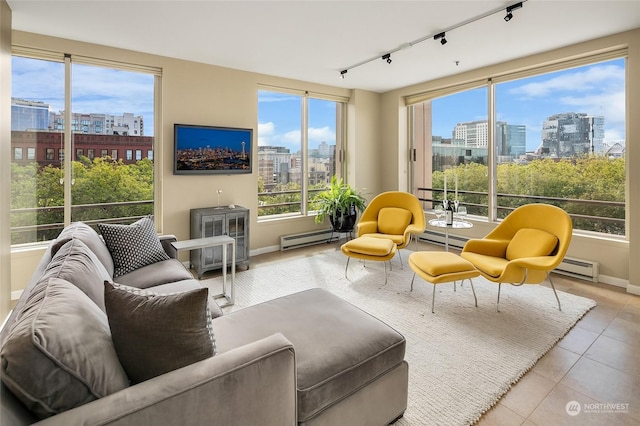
(211, 150)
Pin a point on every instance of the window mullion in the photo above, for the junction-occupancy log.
(304, 184)
(492, 158)
(67, 172)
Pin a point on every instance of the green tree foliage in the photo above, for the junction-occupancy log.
(37, 195)
(594, 183)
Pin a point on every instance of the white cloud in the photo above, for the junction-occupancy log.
(316, 135)
(609, 105)
(595, 78)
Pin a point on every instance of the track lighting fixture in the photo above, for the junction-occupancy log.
(440, 36)
(510, 9)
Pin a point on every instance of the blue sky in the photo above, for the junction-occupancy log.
(280, 118)
(595, 89)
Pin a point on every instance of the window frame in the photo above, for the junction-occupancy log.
(490, 83)
(305, 210)
(66, 58)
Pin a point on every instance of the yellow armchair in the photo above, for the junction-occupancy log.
(528, 244)
(394, 215)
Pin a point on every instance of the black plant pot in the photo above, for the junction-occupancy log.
(344, 222)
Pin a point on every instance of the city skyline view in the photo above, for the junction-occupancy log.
(596, 89)
(94, 89)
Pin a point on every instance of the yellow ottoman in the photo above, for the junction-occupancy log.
(439, 267)
(369, 248)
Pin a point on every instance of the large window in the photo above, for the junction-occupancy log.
(49, 191)
(298, 138)
(556, 137)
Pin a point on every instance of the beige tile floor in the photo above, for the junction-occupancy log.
(597, 362)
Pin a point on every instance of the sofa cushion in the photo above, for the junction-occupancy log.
(393, 220)
(77, 264)
(346, 349)
(157, 333)
(59, 354)
(529, 242)
(165, 271)
(90, 237)
(132, 246)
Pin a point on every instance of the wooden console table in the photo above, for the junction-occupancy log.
(220, 240)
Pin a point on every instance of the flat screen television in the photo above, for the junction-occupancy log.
(211, 150)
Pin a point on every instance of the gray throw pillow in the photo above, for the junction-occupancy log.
(59, 355)
(132, 246)
(155, 333)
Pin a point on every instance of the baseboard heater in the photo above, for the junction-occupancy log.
(288, 242)
(576, 268)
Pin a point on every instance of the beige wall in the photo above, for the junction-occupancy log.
(613, 254)
(5, 157)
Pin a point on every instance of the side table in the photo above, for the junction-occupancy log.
(457, 224)
(220, 240)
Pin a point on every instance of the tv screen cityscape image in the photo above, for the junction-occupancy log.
(210, 150)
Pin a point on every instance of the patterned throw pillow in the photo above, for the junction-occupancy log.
(132, 246)
(157, 333)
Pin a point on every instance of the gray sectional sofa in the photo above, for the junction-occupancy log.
(309, 358)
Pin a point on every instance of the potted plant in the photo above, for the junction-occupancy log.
(341, 203)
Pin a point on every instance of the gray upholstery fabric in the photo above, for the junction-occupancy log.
(132, 246)
(77, 264)
(251, 385)
(90, 237)
(186, 285)
(378, 403)
(332, 363)
(162, 272)
(154, 334)
(59, 354)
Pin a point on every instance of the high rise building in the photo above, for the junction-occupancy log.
(511, 139)
(126, 124)
(38, 116)
(274, 163)
(572, 134)
(30, 115)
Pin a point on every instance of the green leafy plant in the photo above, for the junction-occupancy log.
(337, 200)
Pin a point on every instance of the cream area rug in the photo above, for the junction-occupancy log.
(462, 359)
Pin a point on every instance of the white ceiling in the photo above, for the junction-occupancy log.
(314, 40)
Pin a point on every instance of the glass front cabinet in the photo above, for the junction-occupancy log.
(213, 221)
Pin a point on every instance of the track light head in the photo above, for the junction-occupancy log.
(440, 37)
(387, 57)
(342, 73)
(510, 9)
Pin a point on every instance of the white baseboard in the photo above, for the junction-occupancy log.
(264, 250)
(618, 282)
(633, 289)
